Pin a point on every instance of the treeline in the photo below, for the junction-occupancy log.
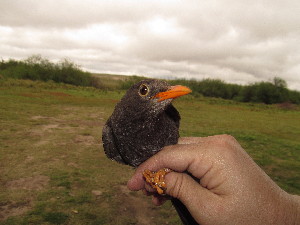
(265, 92)
(38, 68)
(65, 71)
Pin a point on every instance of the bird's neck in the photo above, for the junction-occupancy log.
(130, 118)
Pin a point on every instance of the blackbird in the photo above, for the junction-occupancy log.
(143, 122)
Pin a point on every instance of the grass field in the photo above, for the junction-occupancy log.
(53, 169)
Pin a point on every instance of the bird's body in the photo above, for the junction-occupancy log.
(134, 151)
(134, 132)
(144, 122)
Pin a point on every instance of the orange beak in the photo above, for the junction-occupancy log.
(173, 92)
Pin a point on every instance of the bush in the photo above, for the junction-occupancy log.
(38, 68)
(294, 97)
(264, 92)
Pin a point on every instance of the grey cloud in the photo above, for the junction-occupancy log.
(48, 13)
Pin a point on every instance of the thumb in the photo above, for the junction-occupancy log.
(180, 185)
(195, 197)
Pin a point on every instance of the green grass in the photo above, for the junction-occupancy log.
(52, 160)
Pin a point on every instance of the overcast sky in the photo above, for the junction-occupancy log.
(234, 40)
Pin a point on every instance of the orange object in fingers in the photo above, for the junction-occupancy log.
(157, 179)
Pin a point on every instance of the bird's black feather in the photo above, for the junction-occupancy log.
(172, 112)
(109, 143)
(138, 128)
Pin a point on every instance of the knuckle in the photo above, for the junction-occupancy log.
(226, 146)
(227, 142)
(228, 138)
(176, 190)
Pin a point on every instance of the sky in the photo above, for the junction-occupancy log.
(236, 41)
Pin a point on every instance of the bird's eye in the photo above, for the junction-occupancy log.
(144, 90)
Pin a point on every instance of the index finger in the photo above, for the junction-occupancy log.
(179, 158)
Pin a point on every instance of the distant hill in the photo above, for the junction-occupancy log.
(65, 71)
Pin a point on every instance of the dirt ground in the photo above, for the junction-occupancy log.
(12, 208)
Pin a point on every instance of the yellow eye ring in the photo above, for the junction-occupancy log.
(143, 90)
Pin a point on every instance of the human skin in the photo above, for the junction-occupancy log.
(230, 188)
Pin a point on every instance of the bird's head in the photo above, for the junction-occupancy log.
(151, 96)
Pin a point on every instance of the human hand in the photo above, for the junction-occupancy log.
(232, 187)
